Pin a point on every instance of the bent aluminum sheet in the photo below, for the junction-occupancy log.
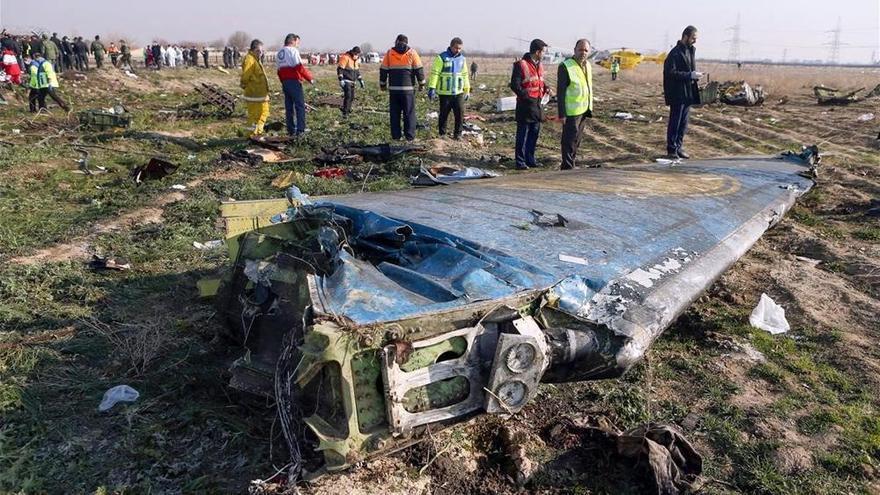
(639, 244)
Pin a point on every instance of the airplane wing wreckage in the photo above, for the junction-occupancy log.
(372, 317)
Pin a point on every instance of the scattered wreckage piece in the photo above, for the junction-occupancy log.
(104, 119)
(371, 318)
(832, 96)
(736, 93)
(108, 263)
(447, 174)
(741, 94)
(255, 157)
(155, 169)
(353, 153)
(214, 96)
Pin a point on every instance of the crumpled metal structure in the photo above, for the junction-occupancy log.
(372, 317)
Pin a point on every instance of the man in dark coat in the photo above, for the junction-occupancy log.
(157, 56)
(67, 53)
(680, 90)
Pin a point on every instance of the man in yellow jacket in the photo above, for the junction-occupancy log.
(42, 82)
(256, 88)
(450, 79)
(574, 93)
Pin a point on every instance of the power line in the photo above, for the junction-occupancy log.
(735, 41)
(834, 44)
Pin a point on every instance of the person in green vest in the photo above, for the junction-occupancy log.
(574, 94)
(615, 68)
(449, 79)
(43, 82)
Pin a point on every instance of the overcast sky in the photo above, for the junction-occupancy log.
(770, 28)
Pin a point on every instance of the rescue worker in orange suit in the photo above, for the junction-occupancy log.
(400, 71)
(449, 79)
(348, 71)
(527, 81)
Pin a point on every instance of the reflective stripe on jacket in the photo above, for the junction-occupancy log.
(253, 79)
(579, 94)
(532, 78)
(400, 72)
(449, 75)
(348, 67)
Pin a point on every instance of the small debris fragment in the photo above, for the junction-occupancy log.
(769, 316)
(108, 263)
(119, 393)
(207, 245)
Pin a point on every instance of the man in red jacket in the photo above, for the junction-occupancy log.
(292, 72)
(9, 64)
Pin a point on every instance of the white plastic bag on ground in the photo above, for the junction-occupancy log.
(769, 316)
(119, 393)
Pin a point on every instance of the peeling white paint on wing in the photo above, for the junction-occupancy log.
(643, 278)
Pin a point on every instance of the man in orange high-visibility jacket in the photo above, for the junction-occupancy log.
(348, 71)
(400, 71)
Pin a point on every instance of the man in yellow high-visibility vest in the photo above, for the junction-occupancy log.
(574, 93)
(450, 79)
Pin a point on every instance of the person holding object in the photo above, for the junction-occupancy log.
(680, 90)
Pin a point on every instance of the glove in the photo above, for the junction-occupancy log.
(421, 86)
(467, 96)
(383, 87)
(696, 76)
(342, 83)
(432, 94)
(589, 114)
(361, 82)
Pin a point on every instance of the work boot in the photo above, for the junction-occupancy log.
(672, 156)
(682, 154)
(536, 165)
(565, 167)
(522, 166)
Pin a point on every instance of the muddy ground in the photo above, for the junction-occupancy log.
(794, 413)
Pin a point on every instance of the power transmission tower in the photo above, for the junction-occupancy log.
(834, 45)
(666, 41)
(735, 41)
(784, 55)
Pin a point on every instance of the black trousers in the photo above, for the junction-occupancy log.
(68, 63)
(37, 96)
(456, 105)
(676, 128)
(402, 103)
(572, 131)
(57, 99)
(347, 97)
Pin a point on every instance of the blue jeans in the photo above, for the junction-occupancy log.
(677, 127)
(526, 140)
(294, 99)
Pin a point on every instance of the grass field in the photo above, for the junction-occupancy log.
(795, 413)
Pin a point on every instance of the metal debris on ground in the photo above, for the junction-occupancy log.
(832, 96)
(223, 101)
(352, 153)
(156, 168)
(865, 117)
(374, 319)
(807, 155)
(84, 163)
(108, 263)
(103, 119)
(740, 93)
(448, 174)
(255, 156)
(506, 104)
(769, 316)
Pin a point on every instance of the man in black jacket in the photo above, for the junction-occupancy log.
(680, 90)
(67, 53)
(527, 81)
